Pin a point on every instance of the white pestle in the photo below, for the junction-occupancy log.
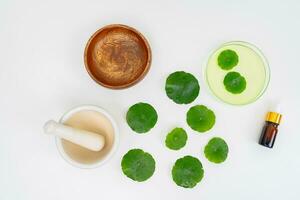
(86, 139)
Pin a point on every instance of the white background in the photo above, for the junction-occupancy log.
(42, 75)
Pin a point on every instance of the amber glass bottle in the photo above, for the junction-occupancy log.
(270, 129)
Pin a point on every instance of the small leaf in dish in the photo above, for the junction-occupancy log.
(227, 59)
(234, 82)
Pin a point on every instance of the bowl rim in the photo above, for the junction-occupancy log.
(256, 50)
(135, 81)
(115, 145)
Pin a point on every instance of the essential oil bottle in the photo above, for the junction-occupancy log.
(270, 129)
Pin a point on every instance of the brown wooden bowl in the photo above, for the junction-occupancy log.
(117, 56)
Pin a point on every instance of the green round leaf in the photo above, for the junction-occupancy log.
(200, 118)
(141, 117)
(227, 59)
(176, 139)
(182, 87)
(138, 165)
(187, 172)
(234, 82)
(216, 150)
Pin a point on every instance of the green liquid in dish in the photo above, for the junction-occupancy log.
(251, 65)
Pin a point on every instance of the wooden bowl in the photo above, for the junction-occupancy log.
(117, 56)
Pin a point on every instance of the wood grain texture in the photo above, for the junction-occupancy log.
(117, 56)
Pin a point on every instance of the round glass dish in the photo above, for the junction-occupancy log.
(252, 65)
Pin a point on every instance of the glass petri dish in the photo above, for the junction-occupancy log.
(252, 65)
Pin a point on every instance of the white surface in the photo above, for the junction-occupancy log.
(42, 75)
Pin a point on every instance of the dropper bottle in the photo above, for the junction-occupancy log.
(270, 129)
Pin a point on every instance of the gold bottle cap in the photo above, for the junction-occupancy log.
(273, 117)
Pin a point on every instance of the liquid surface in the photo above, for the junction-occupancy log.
(91, 121)
(251, 65)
